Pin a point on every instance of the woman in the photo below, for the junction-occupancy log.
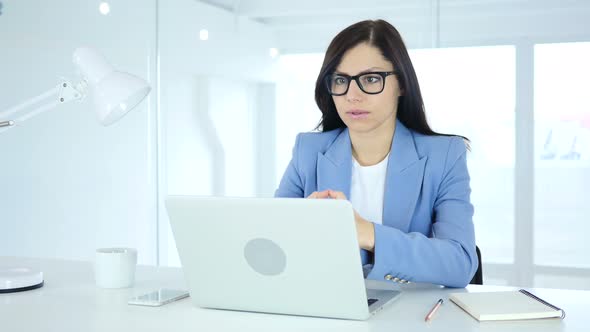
(408, 185)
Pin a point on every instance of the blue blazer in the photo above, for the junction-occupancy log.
(427, 233)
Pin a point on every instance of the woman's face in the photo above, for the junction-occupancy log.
(362, 112)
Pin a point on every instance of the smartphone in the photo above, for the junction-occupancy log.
(159, 297)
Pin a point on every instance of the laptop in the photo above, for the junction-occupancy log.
(273, 255)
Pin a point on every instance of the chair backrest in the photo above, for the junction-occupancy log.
(478, 277)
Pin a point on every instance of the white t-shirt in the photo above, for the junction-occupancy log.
(367, 189)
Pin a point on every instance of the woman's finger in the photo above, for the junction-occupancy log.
(336, 194)
(323, 194)
(319, 194)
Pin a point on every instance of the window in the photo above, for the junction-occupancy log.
(470, 92)
(562, 154)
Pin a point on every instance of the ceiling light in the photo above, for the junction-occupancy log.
(104, 8)
(204, 34)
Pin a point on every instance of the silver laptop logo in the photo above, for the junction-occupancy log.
(265, 257)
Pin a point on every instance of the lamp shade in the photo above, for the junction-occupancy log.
(113, 93)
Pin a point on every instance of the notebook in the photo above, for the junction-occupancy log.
(508, 305)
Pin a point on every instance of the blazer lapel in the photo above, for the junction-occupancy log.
(334, 168)
(405, 171)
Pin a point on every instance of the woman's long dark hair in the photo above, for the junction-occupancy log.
(381, 34)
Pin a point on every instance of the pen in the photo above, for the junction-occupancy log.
(433, 310)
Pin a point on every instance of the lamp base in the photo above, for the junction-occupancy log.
(19, 279)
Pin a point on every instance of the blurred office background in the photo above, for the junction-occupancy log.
(233, 84)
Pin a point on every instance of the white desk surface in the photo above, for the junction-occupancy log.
(70, 301)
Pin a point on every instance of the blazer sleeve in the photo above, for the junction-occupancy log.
(291, 184)
(447, 258)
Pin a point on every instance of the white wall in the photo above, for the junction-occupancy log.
(69, 185)
(212, 93)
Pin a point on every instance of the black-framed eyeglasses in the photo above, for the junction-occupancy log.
(371, 83)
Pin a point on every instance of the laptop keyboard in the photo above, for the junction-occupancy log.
(371, 301)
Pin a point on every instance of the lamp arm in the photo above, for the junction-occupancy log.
(62, 93)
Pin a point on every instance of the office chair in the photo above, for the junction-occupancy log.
(478, 277)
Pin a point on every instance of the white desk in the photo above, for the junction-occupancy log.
(70, 301)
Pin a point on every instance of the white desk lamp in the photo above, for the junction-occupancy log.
(114, 93)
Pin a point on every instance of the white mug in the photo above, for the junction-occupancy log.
(115, 267)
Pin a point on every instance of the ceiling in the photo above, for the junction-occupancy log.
(304, 25)
(277, 13)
